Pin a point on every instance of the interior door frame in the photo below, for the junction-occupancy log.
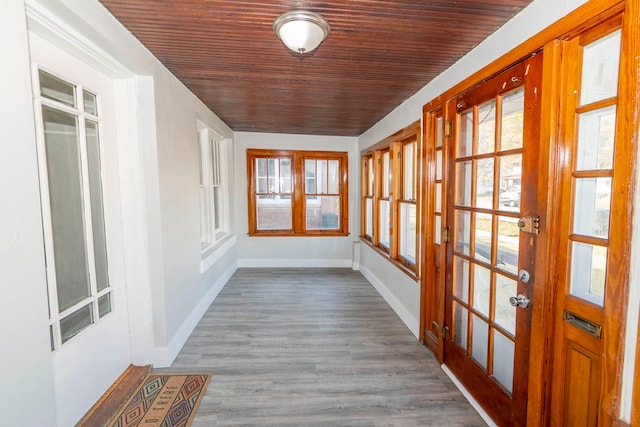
(543, 311)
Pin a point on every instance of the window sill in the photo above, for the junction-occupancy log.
(279, 233)
(399, 264)
(211, 254)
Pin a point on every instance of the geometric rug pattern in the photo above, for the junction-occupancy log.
(163, 401)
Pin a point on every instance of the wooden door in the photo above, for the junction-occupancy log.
(594, 229)
(492, 211)
(432, 304)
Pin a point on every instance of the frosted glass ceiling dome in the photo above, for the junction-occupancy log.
(301, 31)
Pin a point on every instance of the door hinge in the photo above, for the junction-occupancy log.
(444, 334)
(446, 235)
(448, 129)
(529, 224)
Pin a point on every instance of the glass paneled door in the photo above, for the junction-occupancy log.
(492, 214)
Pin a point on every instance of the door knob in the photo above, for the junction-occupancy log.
(519, 301)
(524, 276)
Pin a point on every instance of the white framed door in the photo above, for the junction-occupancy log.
(79, 185)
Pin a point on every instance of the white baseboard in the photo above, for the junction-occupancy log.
(163, 357)
(294, 263)
(487, 419)
(405, 315)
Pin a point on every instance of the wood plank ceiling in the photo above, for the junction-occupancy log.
(378, 54)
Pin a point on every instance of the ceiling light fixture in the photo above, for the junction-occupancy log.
(301, 31)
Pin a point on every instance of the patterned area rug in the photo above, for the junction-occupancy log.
(163, 401)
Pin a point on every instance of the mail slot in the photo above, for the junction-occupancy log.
(582, 323)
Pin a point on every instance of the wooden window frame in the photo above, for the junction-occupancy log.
(393, 145)
(298, 194)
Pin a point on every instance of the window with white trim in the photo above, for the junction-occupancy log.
(212, 188)
(70, 167)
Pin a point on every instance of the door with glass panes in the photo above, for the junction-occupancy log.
(79, 184)
(492, 213)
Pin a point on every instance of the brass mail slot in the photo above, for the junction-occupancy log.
(584, 324)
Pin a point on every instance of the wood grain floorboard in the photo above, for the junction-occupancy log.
(315, 347)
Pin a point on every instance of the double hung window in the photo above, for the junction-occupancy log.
(390, 186)
(212, 188)
(297, 192)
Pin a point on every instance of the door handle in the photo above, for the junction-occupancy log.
(520, 301)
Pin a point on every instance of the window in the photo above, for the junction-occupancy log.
(71, 167)
(390, 185)
(212, 188)
(297, 193)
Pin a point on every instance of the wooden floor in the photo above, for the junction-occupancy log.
(300, 347)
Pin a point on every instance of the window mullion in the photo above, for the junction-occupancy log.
(298, 205)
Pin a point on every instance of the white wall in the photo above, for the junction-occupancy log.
(158, 149)
(26, 377)
(165, 133)
(293, 251)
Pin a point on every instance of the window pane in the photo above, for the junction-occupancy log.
(465, 139)
(386, 174)
(310, 176)
(512, 120)
(439, 132)
(285, 176)
(104, 305)
(463, 183)
(591, 210)
(463, 232)
(484, 183)
(384, 223)
(461, 279)
(273, 175)
(438, 230)
(588, 268)
(503, 360)
(460, 325)
(596, 137)
(273, 212)
(600, 69)
(505, 314)
(71, 325)
(65, 197)
(90, 103)
(408, 172)
(483, 233)
(439, 165)
(481, 289)
(204, 217)
(57, 89)
(323, 212)
(97, 210)
(321, 176)
(438, 197)
(261, 176)
(217, 205)
(508, 244)
(369, 217)
(408, 231)
(479, 340)
(334, 177)
(371, 175)
(487, 127)
(510, 177)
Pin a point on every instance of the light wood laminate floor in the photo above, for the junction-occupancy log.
(315, 347)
